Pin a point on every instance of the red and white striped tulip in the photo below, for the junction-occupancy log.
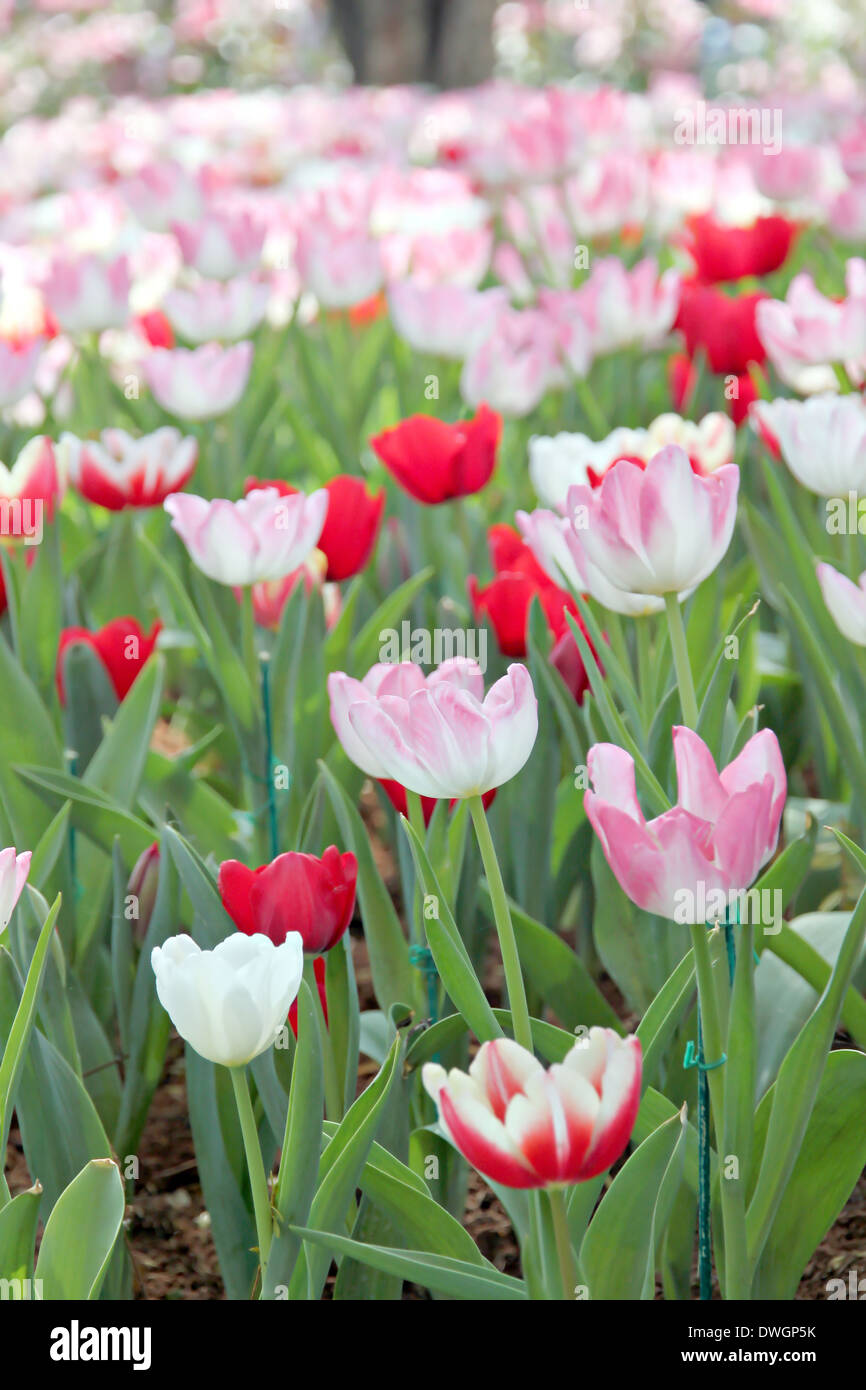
(523, 1125)
(117, 471)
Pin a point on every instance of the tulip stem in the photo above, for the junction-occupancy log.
(505, 928)
(567, 1266)
(333, 1099)
(248, 636)
(685, 680)
(264, 666)
(255, 1165)
(733, 1215)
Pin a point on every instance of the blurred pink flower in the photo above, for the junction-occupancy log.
(201, 383)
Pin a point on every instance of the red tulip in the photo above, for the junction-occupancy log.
(722, 326)
(295, 892)
(723, 252)
(519, 579)
(319, 971)
(121, 646)
(434, 461)
(156, 329)
(568, 661)
(351, 522)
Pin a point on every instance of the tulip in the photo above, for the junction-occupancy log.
(822, 440)
(294, 893)
(625, 307)
(568, 661)
(724, 328)
(514, 363)
(161, 194)
(845, 601)
(231, 1003)
(439, 735)
(122, 647)
(723, 252)
(211, 310)
(18, 365)
(435, 462)
(117, 471)
(507, 600)
(14, 869)
(221, 245)
(263, 536)
(523, 1125)
(658, 530)
(564, 460)
(351, 524)
(806, 332)
(557, 544)
(722, 830)
(155, 329)
(27, 489)
(443, 319)
(201, 383)
(319, 969)
(87, 294)
(341, 266)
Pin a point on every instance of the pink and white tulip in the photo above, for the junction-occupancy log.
(846, 602)
(221, 245)
(722, 830)
(443, 319)
(211, 310)
(201, 383)
(263, 536)
(14, 869)
(341, 266)
(805, 333)
(514, 363)
(822, 440)
(87, 294)
(18, 367)
(657, 530)
(556, 542)
(439, 736)
(628, 307)
(117, 471)
(526, 1126)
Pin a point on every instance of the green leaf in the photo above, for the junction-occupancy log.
(619, 1251)
(830, 1160)
(18, 1222)
(80, 1233)
(457, 1278)
(299, 1163)
(386, 944)
(18, 1036)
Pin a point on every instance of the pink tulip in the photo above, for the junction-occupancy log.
(514, 363)
(221, 244)
(659, 529)
(625, 307)
(117, 471)
(440, 735)
(807, 332)
(341, 264)
(523, 1125)
(18, 367)
(162, 194)
(263, 536)
(846, 602)
(443, 319)
(202, 383)
(13, 875)
(717, 837)
(211, 310)
(557, 545)
(87, 294)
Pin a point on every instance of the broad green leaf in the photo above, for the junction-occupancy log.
(19, 1220)
(80, 1233)
(457, 1278)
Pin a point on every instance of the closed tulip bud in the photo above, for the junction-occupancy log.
(230, 1003)
(434, 461)
(263, 536)
(846, 602)
(522, 1125)
(122, 646)
(141, 890)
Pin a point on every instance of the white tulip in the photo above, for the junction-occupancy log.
(229, 1003)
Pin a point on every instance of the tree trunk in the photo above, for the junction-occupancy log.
(446, 42)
